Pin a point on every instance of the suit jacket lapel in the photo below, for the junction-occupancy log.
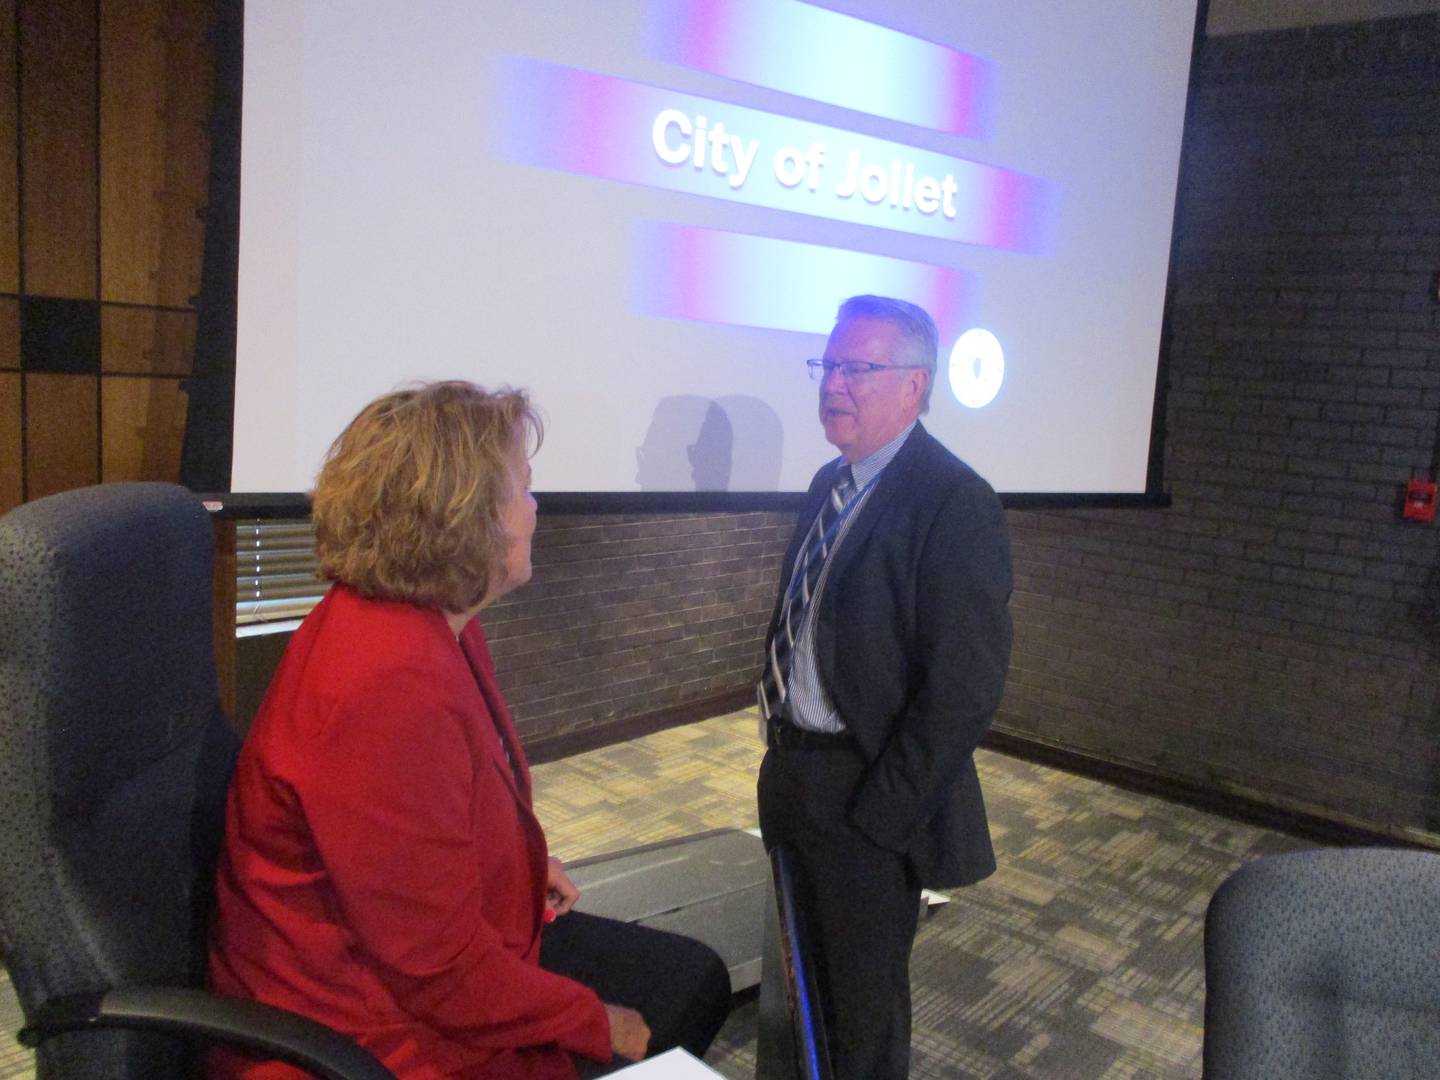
(477, 652)
(815, 498)
(889, 482)
(515, 770)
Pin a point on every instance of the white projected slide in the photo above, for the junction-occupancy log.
(646, 213)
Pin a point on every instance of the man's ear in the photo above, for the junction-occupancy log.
(918, 383)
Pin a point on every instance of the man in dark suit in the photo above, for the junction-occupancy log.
(885, 662)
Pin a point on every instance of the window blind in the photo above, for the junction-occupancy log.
(275, 571)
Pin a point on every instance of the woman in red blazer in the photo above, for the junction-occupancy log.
(383, 870)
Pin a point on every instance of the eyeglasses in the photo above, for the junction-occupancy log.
(852, 370)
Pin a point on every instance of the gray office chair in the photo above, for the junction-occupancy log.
(114, 759)
(1325, 964)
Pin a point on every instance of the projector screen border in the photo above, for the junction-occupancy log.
(286, 505)
(206, 457)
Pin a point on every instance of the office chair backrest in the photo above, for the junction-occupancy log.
(114, 757)
(1325, 964)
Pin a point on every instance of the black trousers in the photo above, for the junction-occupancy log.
(680, 986)
(860, 904)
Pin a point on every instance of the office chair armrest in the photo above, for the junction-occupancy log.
(263, 1029)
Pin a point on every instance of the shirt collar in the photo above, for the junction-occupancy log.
(864, 471)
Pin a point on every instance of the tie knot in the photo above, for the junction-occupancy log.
(844, 483)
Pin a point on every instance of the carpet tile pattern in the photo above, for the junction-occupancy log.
(1081, 957)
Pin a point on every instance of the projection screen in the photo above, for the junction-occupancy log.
(646, 214)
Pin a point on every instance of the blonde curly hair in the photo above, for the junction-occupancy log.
(407, 502)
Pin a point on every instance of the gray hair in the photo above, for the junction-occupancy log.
(916, 327)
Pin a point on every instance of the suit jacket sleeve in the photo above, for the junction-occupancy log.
(390, 807)
(959, 656)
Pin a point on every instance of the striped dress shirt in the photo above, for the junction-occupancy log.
(807, 704)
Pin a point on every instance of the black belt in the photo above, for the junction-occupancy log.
(780, 733)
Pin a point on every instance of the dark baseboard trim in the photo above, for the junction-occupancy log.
(1301, 824)
(555, 747)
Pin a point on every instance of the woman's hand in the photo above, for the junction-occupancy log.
(560, 891)
(629, 1034)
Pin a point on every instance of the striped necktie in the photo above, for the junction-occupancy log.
(780, 648)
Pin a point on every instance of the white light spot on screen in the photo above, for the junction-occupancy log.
(977, 368)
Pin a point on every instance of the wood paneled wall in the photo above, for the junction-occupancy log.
(104, 157)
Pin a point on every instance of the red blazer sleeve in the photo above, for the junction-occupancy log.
(399, 778)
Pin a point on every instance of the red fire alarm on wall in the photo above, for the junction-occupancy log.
(1420, 498)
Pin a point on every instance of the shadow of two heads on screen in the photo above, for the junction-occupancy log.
(696, 443)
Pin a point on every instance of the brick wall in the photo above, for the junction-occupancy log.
(1274, 632)
(630, 622)
(632, 615)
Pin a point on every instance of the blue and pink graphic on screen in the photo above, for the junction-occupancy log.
(826, 56)
(685, 272)
(604, 126)
(597, 125)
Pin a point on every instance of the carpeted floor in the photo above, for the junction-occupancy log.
(1080, 958)
(15, 1060)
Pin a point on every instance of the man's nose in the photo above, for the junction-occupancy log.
(832, 382)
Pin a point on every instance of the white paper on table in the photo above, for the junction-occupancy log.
(674, 1064)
